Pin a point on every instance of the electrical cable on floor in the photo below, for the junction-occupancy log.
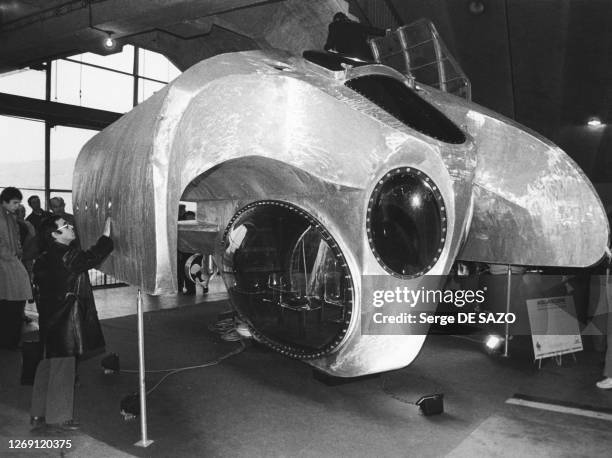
(478, 341)
(228, 329)
(388, 392)
(200, 366)
(429, 404)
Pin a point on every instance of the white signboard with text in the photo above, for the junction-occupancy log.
(554, 326)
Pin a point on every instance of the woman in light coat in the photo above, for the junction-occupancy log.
(15, 286)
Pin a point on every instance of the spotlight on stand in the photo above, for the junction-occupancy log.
(493, 343)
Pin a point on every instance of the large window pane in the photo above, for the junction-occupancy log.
(27, 83)
(123, 61)
(156, 66)
(22, 157)
(92, 87)
(66, 143)
(147, 88)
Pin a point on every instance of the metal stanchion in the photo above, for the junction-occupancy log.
(144, 441)
(507, 326)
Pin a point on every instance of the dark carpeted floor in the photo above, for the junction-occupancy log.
(260, 403)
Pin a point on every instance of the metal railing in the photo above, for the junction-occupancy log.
(101, 280)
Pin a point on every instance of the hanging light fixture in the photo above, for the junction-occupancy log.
(109, 43)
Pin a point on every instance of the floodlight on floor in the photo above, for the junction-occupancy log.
(493, 342)
(594, 121)
(110, 363)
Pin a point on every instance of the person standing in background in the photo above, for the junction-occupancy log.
(15, 286)
(58, 207)
(38, 214)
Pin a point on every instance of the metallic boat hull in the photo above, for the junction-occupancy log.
(244, 127)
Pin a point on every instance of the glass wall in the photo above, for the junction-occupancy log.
(66, 143)
(22, 160)
(122, 61)
(147, 88)
(87, 80)
(154, 72)
(156, 66)
(78, 84)
(27, 83)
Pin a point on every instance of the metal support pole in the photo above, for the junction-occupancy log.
(507, 325)
(144, 441)
(45, 203)
(404, 44)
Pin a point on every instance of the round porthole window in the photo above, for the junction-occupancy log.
(288, 278)
(406, 222)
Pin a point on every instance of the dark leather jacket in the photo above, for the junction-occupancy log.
(68, 318)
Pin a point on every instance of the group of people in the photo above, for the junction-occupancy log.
(43, 250)
(19, 247)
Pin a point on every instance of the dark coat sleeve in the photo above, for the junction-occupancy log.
(77, 261)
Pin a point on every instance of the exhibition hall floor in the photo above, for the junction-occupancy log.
(259, 403)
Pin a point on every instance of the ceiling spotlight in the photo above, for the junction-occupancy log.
(109, 43)
(594, 122)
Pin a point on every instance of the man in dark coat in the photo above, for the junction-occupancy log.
(38, 214)
(350, 38)
(69, 326)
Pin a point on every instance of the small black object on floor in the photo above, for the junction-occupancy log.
(432, 404)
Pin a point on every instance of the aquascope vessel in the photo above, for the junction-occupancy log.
(319, 179)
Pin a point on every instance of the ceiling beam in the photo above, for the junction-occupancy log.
(81, 26)
(56, 113)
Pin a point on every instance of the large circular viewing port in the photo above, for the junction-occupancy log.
(287, 278)
(406, 222)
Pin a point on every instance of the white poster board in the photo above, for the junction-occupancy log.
(554, 326)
